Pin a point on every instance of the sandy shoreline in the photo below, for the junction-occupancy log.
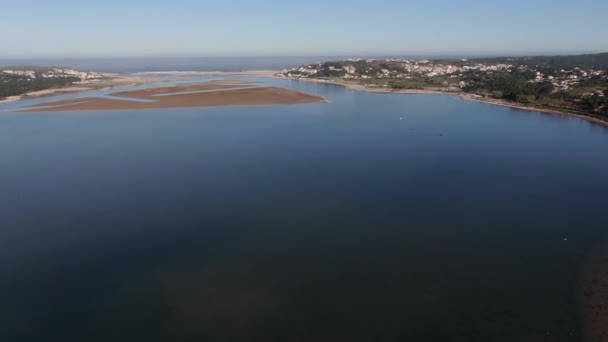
(497, 102)
(464, 96)
(45, 93)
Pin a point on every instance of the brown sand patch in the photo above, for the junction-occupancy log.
(238, 97)
(594, 297)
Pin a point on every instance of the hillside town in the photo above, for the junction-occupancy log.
(360, 69)
(389, 68)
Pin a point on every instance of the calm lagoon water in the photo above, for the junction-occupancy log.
(372, 218)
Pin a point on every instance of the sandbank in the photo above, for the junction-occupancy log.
(257, 96)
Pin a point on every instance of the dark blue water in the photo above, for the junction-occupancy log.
(373, 218)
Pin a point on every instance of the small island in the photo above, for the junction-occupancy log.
(575, 85)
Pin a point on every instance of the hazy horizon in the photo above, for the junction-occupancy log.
(186, 29)
(203, 63)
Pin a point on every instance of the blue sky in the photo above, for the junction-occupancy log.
(111, 28)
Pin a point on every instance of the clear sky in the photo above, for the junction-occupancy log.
(112, 28)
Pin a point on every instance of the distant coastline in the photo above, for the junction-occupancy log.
(148, 77)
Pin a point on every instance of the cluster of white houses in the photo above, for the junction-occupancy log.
(406, 68)
(566, 79)
(403, 69)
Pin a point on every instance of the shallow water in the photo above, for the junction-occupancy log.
(372, 218)
(12, 107)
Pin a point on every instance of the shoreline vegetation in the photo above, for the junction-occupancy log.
(462, 95)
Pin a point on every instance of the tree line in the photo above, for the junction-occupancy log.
(12, 85)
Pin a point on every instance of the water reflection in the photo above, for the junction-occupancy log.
(324, 222)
